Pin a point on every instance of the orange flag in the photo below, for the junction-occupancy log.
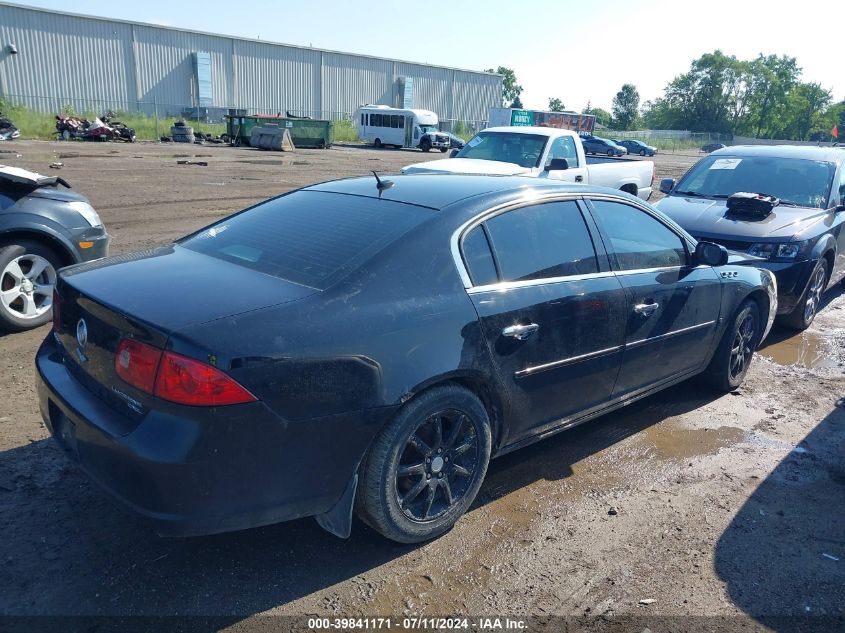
(835, 131)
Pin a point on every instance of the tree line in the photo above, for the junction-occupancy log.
(764, 97)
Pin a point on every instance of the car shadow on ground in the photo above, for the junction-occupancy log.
(68, 549)
(782, 558)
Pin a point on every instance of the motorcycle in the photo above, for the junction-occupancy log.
(8, 131)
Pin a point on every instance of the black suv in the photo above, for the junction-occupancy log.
(43, 226)
(801, 238)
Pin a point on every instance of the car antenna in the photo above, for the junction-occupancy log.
(381, 185)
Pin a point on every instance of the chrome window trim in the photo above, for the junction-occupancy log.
(528, 371)
(529, 199)
(510, 285)
(526, 200)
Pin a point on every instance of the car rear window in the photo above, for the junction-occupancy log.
(308, 237)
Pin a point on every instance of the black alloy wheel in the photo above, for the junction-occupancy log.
(437, 465)
(425, 467)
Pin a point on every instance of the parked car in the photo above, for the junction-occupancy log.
(801, 239)
(712, 147)
(540, 152)
(385, 340)
(597, 145)
(455, 142)
(43, 226)
(637, 147)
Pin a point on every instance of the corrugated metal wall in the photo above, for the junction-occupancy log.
(94, 62)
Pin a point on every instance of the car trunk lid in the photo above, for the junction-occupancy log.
(110, 299)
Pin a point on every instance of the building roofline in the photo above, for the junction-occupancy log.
(238, 38)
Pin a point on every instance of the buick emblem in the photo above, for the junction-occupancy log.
(81, 334)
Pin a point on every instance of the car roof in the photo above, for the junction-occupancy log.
(529, 129)
(436, 191)
(807, 152)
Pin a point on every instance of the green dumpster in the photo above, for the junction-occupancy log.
(303, 132)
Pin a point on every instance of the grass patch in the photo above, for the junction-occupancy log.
(344, 131)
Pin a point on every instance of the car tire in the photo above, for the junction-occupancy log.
(611, 153)
(18, 262)
(443, 150)
(730, 363)
(417, 482)
(642, 152)
(377, 143)
(807, 307)
(425, 145)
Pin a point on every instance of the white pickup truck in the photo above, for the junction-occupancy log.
(541, 152)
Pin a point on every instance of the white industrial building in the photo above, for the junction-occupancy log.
(49, 59)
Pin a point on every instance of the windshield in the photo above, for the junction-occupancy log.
(428, 129)
(797, 182)
(508, 147)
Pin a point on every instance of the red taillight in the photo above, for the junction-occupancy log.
(188, 381)
(57, 311)
(177, 378)
(137, 364)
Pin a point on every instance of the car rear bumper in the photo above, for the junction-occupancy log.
(211, 469)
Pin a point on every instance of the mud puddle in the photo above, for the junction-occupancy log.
(807, 349)
(672, 442)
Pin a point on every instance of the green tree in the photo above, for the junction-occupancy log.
(602, 116)
(510, 88)
(806, 109)
(556, 105)
(517, 103)
(626, 107)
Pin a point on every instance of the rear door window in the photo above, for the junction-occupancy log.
(308, 237)
(542, 241)
(636, 239)
(479, 258)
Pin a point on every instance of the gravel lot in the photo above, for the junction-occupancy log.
(709, 506)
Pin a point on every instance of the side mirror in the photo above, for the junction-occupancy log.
(841, 205)
(711, 254)
(666, 185)
(453, 153)
(557, 164)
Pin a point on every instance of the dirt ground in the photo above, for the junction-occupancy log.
(706, 508)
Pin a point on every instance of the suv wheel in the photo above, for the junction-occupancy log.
(425, 468)
(27, 279)
(808, 305)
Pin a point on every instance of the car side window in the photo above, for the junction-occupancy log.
(542, 241)
(5, 201)
(637, 240)
(564, 147)
(478, 258)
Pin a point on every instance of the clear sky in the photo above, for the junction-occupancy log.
(575, 50)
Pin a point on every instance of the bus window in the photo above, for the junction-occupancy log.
(376, 120)
(394, 121)
(401, 121)
(362, 119)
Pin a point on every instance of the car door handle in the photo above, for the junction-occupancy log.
(646, 309)
(579, 178)
(520, 332)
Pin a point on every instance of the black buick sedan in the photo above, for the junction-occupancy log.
(369, 345)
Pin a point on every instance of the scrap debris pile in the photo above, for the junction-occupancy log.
(104, 128)
(181, 132)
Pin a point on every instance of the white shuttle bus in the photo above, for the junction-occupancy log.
(383, 126)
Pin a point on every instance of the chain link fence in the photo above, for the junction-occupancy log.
(668, 140)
